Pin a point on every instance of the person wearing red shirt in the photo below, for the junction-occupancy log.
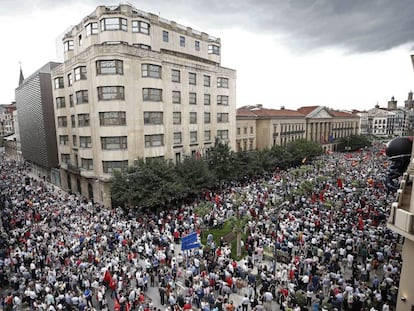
(187, 306)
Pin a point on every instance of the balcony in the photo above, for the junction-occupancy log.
(73, 169)
(401, 215)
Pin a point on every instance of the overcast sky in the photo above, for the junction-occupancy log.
(292, 53)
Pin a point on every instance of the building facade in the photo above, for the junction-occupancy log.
(7, 118)
(134, 85)
(401, 221)
(389, 121)
(260, 128)
(34, 103)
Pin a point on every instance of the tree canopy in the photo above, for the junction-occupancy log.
(153, 184)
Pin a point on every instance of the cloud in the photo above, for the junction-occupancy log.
(356, 26)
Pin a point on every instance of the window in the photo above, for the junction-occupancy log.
(70, 79)
(222, 117)
(112, 118)
(207, 81)
(139, 26)
(156, 140)
(80, 40)
(114, 142)
(206, 99)
(153, 117)
(175, 76)
(165, 36)
(238, 131)
(91, 29)
(73, 121)
(112, 166)
(80, 73)
(251, 130)
(74, 141)
(109, 67)
(81, 97)
(71, 102)
(149, 94)
(176, 97)
(62, 122)
(111, 93)
(177, 138)
(222, 100)
(223, 134)
(192, 78)
(87, 164)
(193, 137)
(197, 45)
(59, 83)
(207, 117)
(114, 23)
(182, 41)
(176, 117)
(68, 45)
(60, 102)
(223, 83)
(63, 140)
(192, 98)
(85, 142)
(83, 119)
(207, 135)
(213, 49)
(245, 130)
(65, 158)
(193, 117)
(151, 71)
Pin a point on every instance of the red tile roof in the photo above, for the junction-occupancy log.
(336, 113)
(307, 109)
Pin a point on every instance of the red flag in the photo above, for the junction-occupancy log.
(117, 306)
(321, 198)
(107, 277)
(360, 223)
(217, 199)
(339, 182)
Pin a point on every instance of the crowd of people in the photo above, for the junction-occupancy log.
(315, 233)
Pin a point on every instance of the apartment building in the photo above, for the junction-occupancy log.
(135, 85)
(260, 128)
(7, 118)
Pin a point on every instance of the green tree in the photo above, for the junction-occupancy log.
(149, 184)
(301, 149)
(280, 156)
(354, 142)
(238, 224)
(221, 162)
(194, 175)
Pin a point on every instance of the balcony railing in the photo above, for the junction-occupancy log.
(401, 216)
(73, 169)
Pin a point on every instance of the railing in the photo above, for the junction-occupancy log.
(74, 169)
(401, 218)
